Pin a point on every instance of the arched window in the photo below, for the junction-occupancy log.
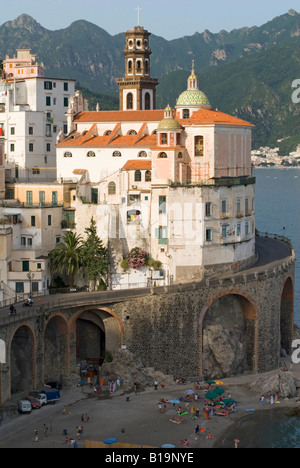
(129, 66)
(199, 145)
(107, 133)
(132, 132)
(142, 154)
(117, 154)
(162, 155)
(91, 154)
(137, 176)
(129, 101)
(147, 101)
(111, 188)
(148, 176)
(68, 154)
(180, 155)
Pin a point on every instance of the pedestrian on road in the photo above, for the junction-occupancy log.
(155, 385)
(45, 430)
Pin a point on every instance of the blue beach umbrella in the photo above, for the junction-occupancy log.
(189, 392)
(175, 402)
(110, 441)
(167, 446)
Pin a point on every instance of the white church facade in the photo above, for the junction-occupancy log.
(176, 183)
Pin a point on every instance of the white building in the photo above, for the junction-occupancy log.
(32, 112)
(176, 183)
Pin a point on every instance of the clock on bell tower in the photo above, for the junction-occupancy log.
(137, 90)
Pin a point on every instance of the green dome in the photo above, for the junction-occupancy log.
(192, 97)
(168, 124)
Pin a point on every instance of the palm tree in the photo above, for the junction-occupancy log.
(67, 256)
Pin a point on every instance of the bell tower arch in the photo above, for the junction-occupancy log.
(137, 90)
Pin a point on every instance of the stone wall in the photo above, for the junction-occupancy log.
(219, 327)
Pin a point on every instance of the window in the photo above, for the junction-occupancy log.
(208, 235)
(247, 230)
(162, 204)
(91, 154)
(199, 146)
(224, 231)
(30, 147)
(164, 139)
(142, 154)
(66, 102)
(246, 205)
(12, 130)
(180, 156)
(162, 155)
(208, 209)
(30, 130)
(32, 221)
(29, 197)
(162, 235)
(66, 86)
(68, 154)
(94, 196)
(148, 176)
(238, 229)
(48, 130)
(48, 85)
(224, 207)
(111, 188)
(54, 198)
(238, 206)
(132, 132)
(137, 176)
(39, 266)
(35, 170)
(19, 287)
(12, 147)
(185, 113)
(147, 101)
(48, 100)
(42, 198)
(65, 129)
(23, 241)
(49, 220)
(117, 154)
(25, 265)
(48, 147)
(129, 101)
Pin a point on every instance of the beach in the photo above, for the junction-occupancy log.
(135, 418)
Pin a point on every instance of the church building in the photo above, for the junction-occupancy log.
(176, 183)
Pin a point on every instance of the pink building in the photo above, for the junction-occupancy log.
(24, 65)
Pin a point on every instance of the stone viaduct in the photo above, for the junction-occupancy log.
(216, 327)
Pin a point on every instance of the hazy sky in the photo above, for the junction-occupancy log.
(167, 18)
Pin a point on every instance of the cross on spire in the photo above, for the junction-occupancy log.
(138, 15)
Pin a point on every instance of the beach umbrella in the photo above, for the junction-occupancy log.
(218, 382)
(211, 395)
(167, 446)
(210, 382)
(219, 391)
(189, 392)
(175, 402)
(228, 401)
(110, 441)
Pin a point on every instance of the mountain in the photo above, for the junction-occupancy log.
(247, 71)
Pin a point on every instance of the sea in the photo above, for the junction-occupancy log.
(277, 210)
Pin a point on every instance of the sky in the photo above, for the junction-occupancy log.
(169, 19)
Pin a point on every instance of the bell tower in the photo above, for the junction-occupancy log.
(137, 90)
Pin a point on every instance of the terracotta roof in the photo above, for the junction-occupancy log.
(121, 116)
(76, 140)
(137, 164)
(213, 117)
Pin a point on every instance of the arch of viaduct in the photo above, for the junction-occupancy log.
(181, 330)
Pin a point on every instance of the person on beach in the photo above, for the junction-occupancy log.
(236, 443)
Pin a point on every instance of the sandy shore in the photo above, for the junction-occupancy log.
(137, 421)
